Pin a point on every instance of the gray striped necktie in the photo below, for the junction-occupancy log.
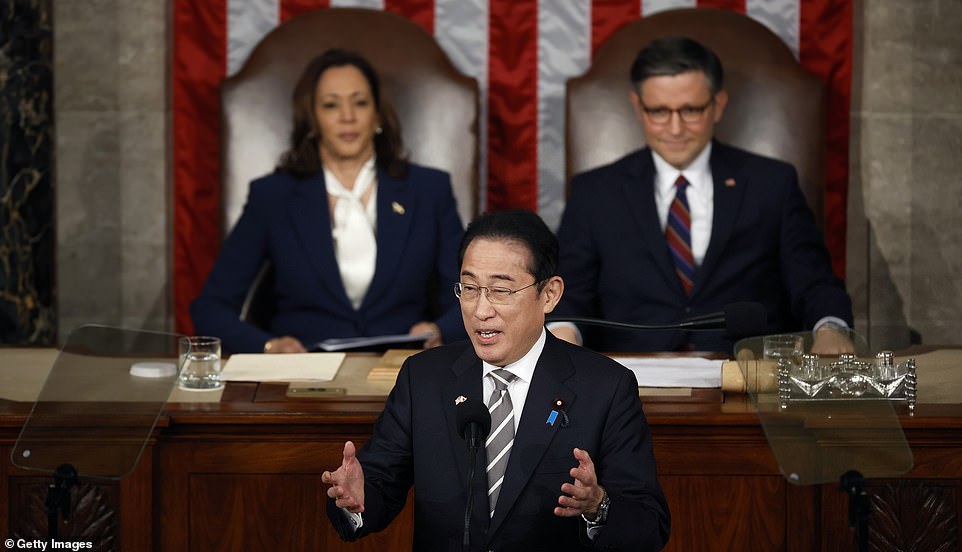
(498, 445)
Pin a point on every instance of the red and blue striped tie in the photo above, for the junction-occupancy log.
(678, 235)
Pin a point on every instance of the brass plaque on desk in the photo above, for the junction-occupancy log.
(315, 391)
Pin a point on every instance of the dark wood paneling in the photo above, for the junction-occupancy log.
(244, 472)
(722, 513)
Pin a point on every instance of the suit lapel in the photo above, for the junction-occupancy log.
(639, 189)
(310, 215)
(395, 214)
(533, 434)
(729, 193)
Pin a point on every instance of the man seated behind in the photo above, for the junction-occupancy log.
(568, 463)
(688, 225)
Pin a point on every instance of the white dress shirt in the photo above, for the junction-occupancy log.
(523, 368)
(700, 193)
(357, 274)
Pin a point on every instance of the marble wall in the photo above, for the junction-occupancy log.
(113, 176)
(114, 189)
(27, 241)
(905, 200)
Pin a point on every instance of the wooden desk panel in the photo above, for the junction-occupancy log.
(244, 474)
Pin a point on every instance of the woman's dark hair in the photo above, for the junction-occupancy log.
(303, 159)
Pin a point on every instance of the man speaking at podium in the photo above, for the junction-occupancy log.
(688, 225)
(568, 462)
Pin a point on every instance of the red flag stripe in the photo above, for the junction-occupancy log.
(826, 49)
(608, 17)
(419, 11)
(199, 63)
(733, 5)
(512, 104)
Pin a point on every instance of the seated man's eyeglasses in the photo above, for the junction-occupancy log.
(496, 295)
(688, 113)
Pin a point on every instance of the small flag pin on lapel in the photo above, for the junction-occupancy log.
(398, 208)
(730, 182)
(459, 400)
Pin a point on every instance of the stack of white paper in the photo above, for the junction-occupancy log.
(283, 367)
(674, 372)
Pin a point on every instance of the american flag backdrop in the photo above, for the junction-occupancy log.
(520, 51)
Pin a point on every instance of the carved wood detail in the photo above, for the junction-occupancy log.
(93, 512)
(915, 516)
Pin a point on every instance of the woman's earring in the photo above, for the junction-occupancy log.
(378, 130)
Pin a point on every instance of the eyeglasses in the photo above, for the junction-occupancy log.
(494, 295)
(688, 113)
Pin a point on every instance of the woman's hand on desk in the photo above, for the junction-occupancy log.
(286, 344)
(426, 327)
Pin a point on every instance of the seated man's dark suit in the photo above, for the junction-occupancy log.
(416, 442)
(287, 221)
(764, 247)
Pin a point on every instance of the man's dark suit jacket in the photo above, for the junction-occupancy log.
(416, 442)
(287, 220)
(764, 247)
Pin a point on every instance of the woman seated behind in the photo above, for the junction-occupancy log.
(353, 231)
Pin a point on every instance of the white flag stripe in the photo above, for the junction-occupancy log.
(780, 16)
(649, 7)
(247, 23)
(461, 28)
(564, 51)
(370, 4)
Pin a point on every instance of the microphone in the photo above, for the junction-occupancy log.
(739, 320)
(473, 422)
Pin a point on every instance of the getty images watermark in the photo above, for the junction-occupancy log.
(47, 544)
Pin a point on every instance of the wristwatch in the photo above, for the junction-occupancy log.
(601, 516)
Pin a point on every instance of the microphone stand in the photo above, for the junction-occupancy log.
(58, 497)
(859, 509)
(469, 507)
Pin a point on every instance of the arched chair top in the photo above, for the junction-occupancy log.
(775, 107)
(436, 104)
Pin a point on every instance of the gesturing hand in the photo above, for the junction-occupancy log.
(584, 495)
(347, 482)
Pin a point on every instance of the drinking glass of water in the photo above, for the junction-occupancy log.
(201, 360)
(787, 346)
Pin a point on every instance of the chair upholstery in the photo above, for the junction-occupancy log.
(775, 107)
(436, 105)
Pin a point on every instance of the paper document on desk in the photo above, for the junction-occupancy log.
(340, 344)
(674, 372)
(283, 367)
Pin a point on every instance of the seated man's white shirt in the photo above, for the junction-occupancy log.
(700, 194)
